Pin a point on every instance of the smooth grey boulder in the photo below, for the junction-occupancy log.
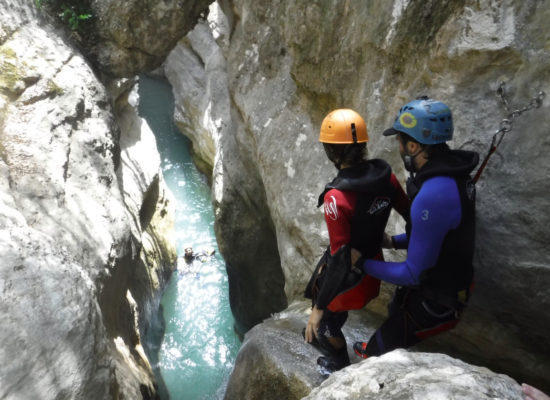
(409, 375)
(275, 362)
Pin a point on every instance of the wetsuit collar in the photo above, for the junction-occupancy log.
(453, 163)
(365, 177)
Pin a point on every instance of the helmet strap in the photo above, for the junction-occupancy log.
(408, 160)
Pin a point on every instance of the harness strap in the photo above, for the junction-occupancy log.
(492, 149)
(454, 300)
(426, 333)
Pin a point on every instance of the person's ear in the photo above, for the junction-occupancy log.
(411, 147)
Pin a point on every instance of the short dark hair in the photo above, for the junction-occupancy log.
(430, 149)
(350, 154)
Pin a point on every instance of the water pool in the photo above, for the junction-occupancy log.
(199, 346)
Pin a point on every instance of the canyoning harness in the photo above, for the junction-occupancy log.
(453, 269)
(335, 283)
(507, 123)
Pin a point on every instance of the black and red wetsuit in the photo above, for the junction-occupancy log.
(370, 197)
(357, 206)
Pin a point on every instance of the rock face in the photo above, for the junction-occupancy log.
(135, 36)
(275, 363)
(85, 223)
(404, 375)
(261, 78)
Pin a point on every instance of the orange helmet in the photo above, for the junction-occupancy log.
(343, 126)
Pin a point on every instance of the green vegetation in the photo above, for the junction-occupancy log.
(11, 71)
(75, 14)
(54, 89)
(73, 18)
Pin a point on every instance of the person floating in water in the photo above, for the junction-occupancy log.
(188, 255)
(203, 255)
(187, 264)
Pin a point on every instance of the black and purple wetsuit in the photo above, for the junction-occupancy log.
(435, 278)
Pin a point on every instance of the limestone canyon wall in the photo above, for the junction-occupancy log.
(86, 222)
(134, 36)
(253, 82)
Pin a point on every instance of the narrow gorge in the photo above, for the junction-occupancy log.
(87, 223)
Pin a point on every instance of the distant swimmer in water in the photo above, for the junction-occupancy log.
(203, 255)
(189, 258)
(188, 255)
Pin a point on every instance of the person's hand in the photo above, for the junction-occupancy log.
(387, 243)
(531, 393)
(355, 255)
(313, 324)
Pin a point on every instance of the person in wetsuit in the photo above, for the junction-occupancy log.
(357, 204)
(189, 257)
(435, 280)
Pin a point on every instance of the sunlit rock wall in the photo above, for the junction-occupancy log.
(85, 223)
(133, 36)
(287, 64)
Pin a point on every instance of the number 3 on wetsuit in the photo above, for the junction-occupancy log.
(425, 215)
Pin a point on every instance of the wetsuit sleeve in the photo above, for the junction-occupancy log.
(401, 241)
(434, 212)
(401, 201)
(339, 208)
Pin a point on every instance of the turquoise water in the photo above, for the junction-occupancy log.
(199, 346)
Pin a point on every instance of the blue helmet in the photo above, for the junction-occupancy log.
(426, 120)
